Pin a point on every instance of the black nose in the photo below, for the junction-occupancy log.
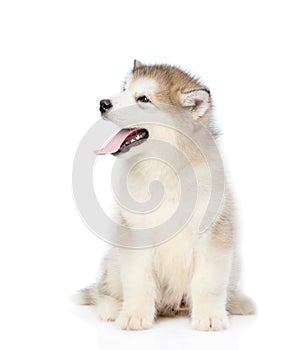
(105, 105)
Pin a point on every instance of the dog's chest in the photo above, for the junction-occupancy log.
(173, 265)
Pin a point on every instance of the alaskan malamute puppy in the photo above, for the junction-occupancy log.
(194, 273)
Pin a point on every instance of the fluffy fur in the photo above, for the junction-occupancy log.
(192, 273)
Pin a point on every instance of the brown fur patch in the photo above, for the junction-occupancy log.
(171, 81)
(223, 229)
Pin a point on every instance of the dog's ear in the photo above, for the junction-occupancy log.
(137, 64)
(198, 101)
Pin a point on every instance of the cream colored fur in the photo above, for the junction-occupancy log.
(192, 273)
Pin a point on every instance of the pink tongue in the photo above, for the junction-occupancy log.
(115, 143)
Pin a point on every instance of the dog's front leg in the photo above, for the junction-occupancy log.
(209, 288)
(139, 291)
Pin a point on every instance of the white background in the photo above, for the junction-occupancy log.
(58, 59)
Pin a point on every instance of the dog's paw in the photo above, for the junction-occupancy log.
(241, 304)
(108, 308)
(210, 322)
(133, 323)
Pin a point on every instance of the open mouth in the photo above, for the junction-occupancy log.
(123, 141)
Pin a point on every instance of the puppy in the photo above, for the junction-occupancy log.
(176, 270)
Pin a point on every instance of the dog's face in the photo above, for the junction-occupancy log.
(157, 90)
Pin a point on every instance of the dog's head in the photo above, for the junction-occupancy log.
(151, 92)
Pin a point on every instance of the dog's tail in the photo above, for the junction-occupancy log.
(86, 296)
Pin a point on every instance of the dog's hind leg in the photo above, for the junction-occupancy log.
(108, 307)
(107, 293)
(240, 304)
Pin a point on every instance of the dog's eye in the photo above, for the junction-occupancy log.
(143, 99)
